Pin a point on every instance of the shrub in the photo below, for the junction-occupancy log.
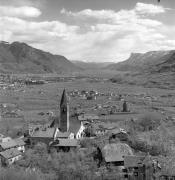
(19, 174)
(150, 121)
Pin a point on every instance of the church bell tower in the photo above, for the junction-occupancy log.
(64, 113)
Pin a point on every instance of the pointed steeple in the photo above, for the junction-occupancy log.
(64, 99)
(64, 113)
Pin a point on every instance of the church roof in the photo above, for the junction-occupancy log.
(64, 99)
(74, 125)
(55, 122)
(63, 134)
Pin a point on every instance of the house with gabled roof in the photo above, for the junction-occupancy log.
(18, 144)
(45, 135)
(114, 153)
(64, 144)
(9, 156)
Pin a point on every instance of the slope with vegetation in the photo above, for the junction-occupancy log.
(151, 69)
(21, 58)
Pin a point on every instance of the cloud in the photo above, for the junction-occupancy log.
(18, 3)
(13, 29)
(98, 35)
(115, 34)
(23, 11)
(142, 8)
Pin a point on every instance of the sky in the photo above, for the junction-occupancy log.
(90, 30)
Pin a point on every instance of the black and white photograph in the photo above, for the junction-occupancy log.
(87, 89)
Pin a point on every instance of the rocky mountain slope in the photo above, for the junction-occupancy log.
(154, 61)
(151, 69)
(21, 58)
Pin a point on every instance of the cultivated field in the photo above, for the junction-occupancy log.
(36, 101)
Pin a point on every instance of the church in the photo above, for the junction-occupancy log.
(66, 124)
(65, 127)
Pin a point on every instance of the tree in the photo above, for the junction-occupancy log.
(150, 121)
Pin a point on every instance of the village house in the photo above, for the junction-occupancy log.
(9, 156)
(18, 144)
(103, 128)
(64, 145)
(91, 97)
(120, 133)
(88, 118)
(114, 153)
(44, 135)
(4, 139)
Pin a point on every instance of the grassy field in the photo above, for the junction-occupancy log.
(32, 100)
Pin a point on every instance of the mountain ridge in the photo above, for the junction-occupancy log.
(154, 61)
(19, 57)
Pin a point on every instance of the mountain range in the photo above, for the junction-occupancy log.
(151, 69)
(19, 57)
(92, 65)
(153, 61)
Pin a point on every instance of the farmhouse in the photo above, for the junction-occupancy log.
(18, 144)
(88, 117)
(121, 134)
(64, 144)
(45, 135)
(114, 153)
(10, 156)
(103, 128)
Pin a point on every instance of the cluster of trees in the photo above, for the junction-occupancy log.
(39, 164)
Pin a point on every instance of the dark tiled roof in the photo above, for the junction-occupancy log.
(8, 144)
(55, 122)
(10, 153)
(74, 125)
(47, 132)
(116, 152)
(66, 143)
(19, 142)
(63, 134)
